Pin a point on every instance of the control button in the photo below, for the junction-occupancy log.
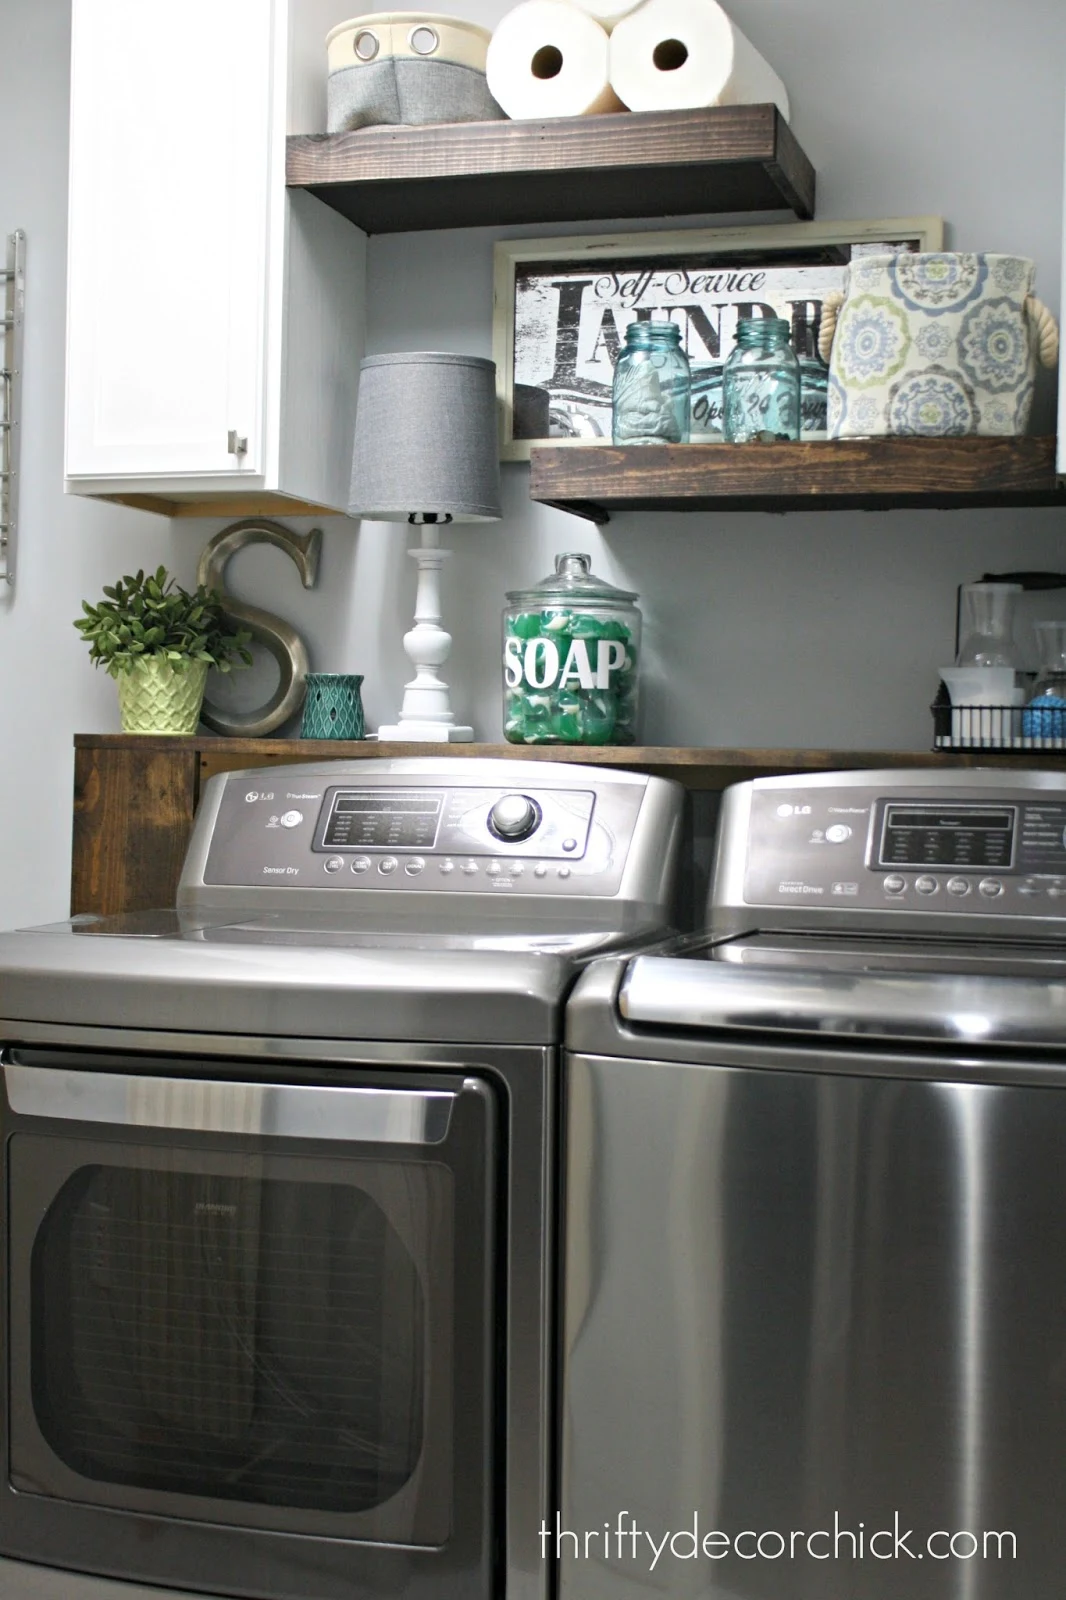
(362, 864)
(540, 870)
(926, 885)
(838, 833)
(959, 886)
(493, 869)
(1056, 891)
(414, 866)
(514, 816)
(388, 864)
(469, 867)
(569, 844)
(1029, 888)
(334, 863)
(564, 872)
(291, 819)
(516, 869)
(894, 884)
(447, 866)
(990, 887)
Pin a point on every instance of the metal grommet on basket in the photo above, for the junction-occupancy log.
(423, 40)
(366, 44)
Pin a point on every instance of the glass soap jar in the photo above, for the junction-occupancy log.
(652, 391)
(761, 383)
(571, 648)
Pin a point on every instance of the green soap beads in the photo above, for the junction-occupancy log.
(570, 679)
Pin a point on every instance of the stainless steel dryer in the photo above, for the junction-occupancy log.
(278, 1185)
(815, 1254)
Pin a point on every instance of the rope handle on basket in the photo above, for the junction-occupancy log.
(1046, 329)
(828, 325)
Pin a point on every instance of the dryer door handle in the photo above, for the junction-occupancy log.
(346, 1114)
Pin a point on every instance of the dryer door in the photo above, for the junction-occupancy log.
(250, 1326)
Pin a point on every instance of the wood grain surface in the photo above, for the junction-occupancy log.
(858, 474)
(133, 812)
(621, 164)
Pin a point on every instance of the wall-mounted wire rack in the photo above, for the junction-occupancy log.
(13, 302)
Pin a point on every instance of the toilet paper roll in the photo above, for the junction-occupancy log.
(547, 58)
(608, 11)
(671, 54)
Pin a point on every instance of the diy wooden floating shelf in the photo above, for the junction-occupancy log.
(840, 474)
(695, 766)
(564, 169)
(135, 795)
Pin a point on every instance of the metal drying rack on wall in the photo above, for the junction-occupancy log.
(13, 279)
(991, 727)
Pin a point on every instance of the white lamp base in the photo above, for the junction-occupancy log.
(426, 713)
(427, 732)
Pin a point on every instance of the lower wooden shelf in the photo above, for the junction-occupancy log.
(819, 474)
(135, 796)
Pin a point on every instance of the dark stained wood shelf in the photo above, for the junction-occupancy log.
(135, 795)
(839, 474)
(564, 169)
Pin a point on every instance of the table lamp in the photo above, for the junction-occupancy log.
(426, 453)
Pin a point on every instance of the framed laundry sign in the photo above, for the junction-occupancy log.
(561, 308)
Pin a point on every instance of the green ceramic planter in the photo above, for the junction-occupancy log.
(154, 698)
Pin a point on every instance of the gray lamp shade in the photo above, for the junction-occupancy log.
(425, 438)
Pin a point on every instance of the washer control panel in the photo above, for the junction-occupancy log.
(393, 831)
(964, 844)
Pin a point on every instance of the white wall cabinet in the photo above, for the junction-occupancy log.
(215, 320)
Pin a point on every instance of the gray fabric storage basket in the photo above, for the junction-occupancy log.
(407, 68)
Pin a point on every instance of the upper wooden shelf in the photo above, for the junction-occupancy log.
(695, 767)
(565, 169)
(839, 474)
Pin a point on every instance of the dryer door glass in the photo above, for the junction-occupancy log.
(243, 1337)
(247, 1317)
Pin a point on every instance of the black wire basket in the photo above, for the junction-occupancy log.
(1003, 728)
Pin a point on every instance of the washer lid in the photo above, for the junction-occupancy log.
(872, 990)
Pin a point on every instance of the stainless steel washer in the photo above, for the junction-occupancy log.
(278, 1187)
(815, 1238)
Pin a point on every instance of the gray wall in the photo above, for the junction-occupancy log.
(812, 629)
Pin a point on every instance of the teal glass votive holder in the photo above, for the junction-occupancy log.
(333, 708)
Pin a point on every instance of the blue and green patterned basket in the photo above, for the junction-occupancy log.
(934, 344)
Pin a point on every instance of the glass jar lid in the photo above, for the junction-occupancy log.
(572, 581)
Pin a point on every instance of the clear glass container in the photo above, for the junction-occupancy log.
(761, 383)
(651, 396)
(814, 398)
(1045, 714)
(987, 630)
(571, 648)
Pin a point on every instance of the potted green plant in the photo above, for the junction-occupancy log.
(157, 641)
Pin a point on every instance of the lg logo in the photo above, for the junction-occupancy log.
(793, 811)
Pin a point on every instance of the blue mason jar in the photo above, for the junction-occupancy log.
(761, 383)
(652, 387)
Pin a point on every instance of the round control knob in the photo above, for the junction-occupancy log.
(291, 819)
(925, 885)
(838, 833)
(514, 817)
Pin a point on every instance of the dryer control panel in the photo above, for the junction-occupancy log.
(459, 827)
